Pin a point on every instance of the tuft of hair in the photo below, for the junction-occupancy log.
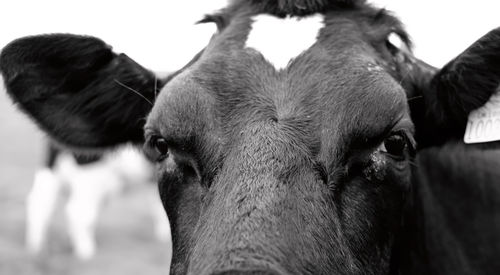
(284, 8)
(220, 19)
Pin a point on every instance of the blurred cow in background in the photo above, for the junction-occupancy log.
(90, 182)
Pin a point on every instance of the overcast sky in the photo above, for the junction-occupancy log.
(161, 35)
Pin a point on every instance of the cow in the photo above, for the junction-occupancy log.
(90, 181)
(324, 147)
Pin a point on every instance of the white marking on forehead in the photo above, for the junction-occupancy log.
(281, 39)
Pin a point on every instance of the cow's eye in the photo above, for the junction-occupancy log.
(396, 145)
(157, 148)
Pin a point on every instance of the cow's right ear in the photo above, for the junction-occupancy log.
(444, 98)
(77, 90)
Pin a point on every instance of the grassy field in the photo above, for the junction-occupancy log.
(126, 243)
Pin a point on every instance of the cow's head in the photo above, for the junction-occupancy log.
(266, 166)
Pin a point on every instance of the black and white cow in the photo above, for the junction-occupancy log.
(90, 181)
(294, 152)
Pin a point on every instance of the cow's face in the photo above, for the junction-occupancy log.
(301, 169)
(266, 166)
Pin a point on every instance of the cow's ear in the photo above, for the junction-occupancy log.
(464, 84)
(77, 90)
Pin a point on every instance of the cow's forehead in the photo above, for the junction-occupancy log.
(258, 68)
(281, 39)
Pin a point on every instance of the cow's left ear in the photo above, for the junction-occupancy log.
(441, 107)
(78, 90)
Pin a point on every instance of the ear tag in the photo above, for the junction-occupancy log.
(484, 123)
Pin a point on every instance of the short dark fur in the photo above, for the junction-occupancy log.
(451, 222)
(284, 171)
(301, 7)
